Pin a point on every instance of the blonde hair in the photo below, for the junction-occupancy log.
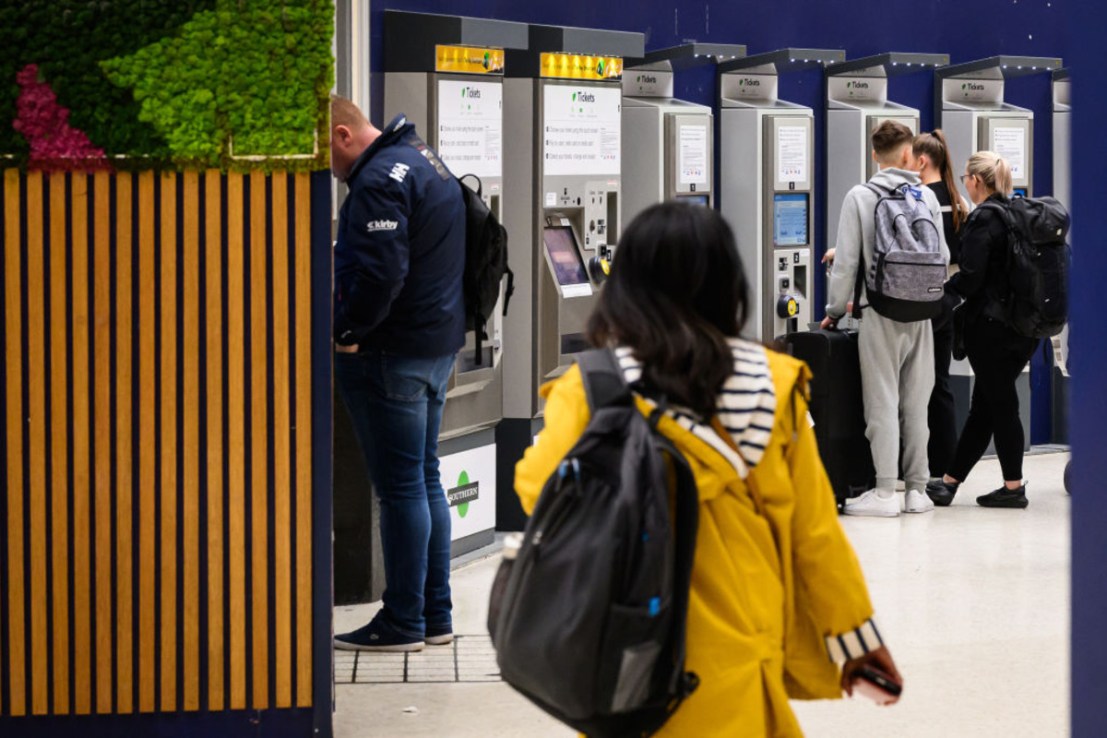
(992, 170)
(345, 113)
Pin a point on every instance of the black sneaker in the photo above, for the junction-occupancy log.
(941, 492)
(1004, 497)
(378, 635)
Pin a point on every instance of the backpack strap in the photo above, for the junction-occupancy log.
(687, 507)
(604, 384)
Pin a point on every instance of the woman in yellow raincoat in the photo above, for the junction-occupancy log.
(778, 607)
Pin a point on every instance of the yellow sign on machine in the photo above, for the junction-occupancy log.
(468, 60)
(579, 66)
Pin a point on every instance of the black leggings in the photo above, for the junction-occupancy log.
(942, 415)
(997, 355)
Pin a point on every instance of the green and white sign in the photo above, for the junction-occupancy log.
(469, 480)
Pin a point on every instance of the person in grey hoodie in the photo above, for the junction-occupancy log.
(897, 359)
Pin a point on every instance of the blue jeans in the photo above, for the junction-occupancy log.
(396, 403)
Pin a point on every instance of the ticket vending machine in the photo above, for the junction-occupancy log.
(673, 139)
(563, 158)
(445, 73)
(857, 103)
(1062, 190)
(971, 111)
(767, 185)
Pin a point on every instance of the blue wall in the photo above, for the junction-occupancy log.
(1089, 356)
(965, 29)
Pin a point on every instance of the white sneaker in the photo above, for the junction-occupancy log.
(917, 502)
(873, 505)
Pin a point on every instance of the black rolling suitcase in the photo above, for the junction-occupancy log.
(836, 406)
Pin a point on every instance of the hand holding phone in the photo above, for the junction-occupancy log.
(879, 687)
(875, 676)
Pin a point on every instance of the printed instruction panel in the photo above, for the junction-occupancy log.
(1010, 144)
(470, 127)
(791, 154)
(582, 130)
(693, 155)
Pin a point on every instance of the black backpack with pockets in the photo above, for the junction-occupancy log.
(588, 619)
(485, 263)
(1038, 262)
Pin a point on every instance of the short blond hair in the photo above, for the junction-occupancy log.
(992, 170)
(345, 113)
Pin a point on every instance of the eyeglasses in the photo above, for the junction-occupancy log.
(964, 177)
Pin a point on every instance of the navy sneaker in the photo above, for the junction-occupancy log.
(1003, 497)
(439, 636)
(378, 635)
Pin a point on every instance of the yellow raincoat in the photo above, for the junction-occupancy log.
(774, 574)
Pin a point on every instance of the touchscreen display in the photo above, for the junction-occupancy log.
(790, 219)
(695, 200)
(562, 248)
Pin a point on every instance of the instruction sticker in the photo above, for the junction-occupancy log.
(1010, 144)
(470, 127)
(693, 155)
(791, 154)
(582, 130)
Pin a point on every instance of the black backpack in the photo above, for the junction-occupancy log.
(485, 263)
(1037, 300)
(590, 625)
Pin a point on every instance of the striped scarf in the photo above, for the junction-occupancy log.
(745, 406)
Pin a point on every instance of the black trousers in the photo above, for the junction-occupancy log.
(997, 355)
(941, 413)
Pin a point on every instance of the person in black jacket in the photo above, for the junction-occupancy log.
(932, 162)
(399, 321)
(995, 351)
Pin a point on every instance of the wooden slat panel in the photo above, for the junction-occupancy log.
(214, 433)
(13, 347)
(36, 330)
(102, 440)
(59, 459)
(236, 438)
(82, 435)
(259, 395)
(168, 523)
(124, 480)
(190, 490)
(147, 447)
(303, 440)
(282, 451)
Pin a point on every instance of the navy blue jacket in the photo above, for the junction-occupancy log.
(400, 251)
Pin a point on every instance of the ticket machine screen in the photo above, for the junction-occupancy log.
(695, 200)
(562, 248)
(1020, 192)
(790, 219)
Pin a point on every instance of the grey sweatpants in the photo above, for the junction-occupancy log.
(897, 378)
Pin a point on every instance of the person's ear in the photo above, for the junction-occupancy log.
(342, 134)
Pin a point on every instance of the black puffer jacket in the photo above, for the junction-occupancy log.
(985, 246)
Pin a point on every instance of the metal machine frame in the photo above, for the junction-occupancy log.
(754, 126)
(679, 135)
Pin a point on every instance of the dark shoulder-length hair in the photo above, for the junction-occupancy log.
(677, 291)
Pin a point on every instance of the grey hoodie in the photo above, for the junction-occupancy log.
(857, 233)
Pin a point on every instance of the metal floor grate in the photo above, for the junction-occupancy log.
(470, 658)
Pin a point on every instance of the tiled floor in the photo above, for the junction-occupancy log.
(974, 603)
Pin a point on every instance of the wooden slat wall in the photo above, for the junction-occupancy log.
(156, 546)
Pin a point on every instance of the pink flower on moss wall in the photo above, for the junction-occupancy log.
(55, 145)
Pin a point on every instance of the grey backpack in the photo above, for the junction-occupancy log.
(906, 280)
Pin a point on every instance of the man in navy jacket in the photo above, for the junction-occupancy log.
(399, 322)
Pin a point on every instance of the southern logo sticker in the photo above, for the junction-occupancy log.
(464, 493)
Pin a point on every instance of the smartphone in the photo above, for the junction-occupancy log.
(876, 685)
